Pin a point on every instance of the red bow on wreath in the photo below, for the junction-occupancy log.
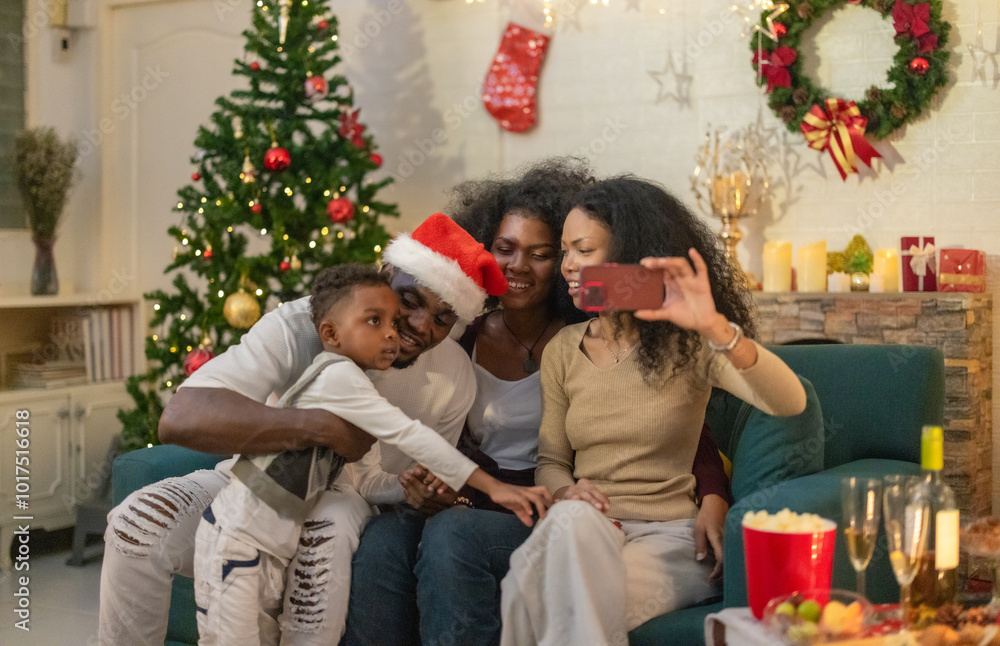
(841, 130)
(776, 73)
(911, 20)
(351, 129)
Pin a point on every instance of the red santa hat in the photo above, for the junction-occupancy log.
(445, 259)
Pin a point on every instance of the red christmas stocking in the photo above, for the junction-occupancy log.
(509, 89)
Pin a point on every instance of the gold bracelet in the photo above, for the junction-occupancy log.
(728, 347)
(462, 500)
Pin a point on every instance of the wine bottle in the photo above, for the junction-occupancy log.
(937, 574)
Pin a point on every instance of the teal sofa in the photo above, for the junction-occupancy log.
(865, 407)
(873, 401)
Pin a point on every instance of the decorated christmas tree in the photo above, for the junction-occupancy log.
(280, 190)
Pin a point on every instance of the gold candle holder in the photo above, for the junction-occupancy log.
(731, 182)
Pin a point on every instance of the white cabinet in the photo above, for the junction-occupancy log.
(69, 433)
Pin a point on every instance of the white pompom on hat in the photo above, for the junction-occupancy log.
(444, 258)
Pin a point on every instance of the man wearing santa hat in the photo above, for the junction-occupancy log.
(440, 275)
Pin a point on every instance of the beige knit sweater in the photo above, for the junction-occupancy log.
(637, 443)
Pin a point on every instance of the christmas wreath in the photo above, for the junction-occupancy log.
(918, 70)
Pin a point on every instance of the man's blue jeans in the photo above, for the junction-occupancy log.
(449, 568)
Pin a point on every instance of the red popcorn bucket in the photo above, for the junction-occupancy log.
(782, 562)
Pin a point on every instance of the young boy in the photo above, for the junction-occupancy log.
(251, 531)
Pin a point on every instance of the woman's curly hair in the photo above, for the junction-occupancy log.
(545, 191)
(645, 220)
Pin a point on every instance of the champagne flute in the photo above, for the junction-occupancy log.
(907, 519)
(862, 509)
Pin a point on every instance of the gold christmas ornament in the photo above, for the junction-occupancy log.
(241, 309)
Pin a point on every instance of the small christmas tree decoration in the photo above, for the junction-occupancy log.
(277, 159)
(376, 159)
(256, 208)
(196, 176)
(208, 251)
(316, 88)
(340, 210)
(351, 129)
(255, 66)
(237, 127)
(295, 263)
(322, 25)
(241, 309)
(196, 359)
(284, 6)
(249, 174)
(285, 264)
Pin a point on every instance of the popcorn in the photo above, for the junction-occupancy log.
(785, 521)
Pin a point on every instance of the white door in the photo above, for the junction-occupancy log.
(164, 64)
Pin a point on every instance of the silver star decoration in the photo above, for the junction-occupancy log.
(681, 90)
(980, 56)
(770, 32)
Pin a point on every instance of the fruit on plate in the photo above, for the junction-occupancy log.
(838, 619)
(817, 616)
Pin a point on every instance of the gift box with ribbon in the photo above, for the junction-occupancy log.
(962, 270)
(919, 265)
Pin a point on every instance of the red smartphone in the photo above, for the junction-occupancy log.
(620, 287)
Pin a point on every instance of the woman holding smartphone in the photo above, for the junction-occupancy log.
(451, 582)
(624, 398)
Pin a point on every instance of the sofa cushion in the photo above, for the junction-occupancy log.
(766, 449)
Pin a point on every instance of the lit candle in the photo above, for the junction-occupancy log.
(838, 281)
(777, 266)
(886, 265)
(810, 267)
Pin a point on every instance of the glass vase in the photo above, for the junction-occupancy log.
(44, 279)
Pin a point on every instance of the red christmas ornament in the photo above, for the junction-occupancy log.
(196, 176)
(277, 159)
(285, 265)
(780, 30)
(340, 210)
(919, 65)
(196, 359)
(208, 252)
(854, 1)
(511, 82)
(316, 88)
(256, 208)
(322, 24)
(255, 66)
(376, 159)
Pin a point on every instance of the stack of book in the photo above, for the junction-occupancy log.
(91, 345)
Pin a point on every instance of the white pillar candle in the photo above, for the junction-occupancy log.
(876, 284)
(839, 282)
(810, 267)
(777, 266)
(886, 265)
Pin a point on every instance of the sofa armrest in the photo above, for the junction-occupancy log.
(818, 493)
(136, 469)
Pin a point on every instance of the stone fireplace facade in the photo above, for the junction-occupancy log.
(960, 324)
